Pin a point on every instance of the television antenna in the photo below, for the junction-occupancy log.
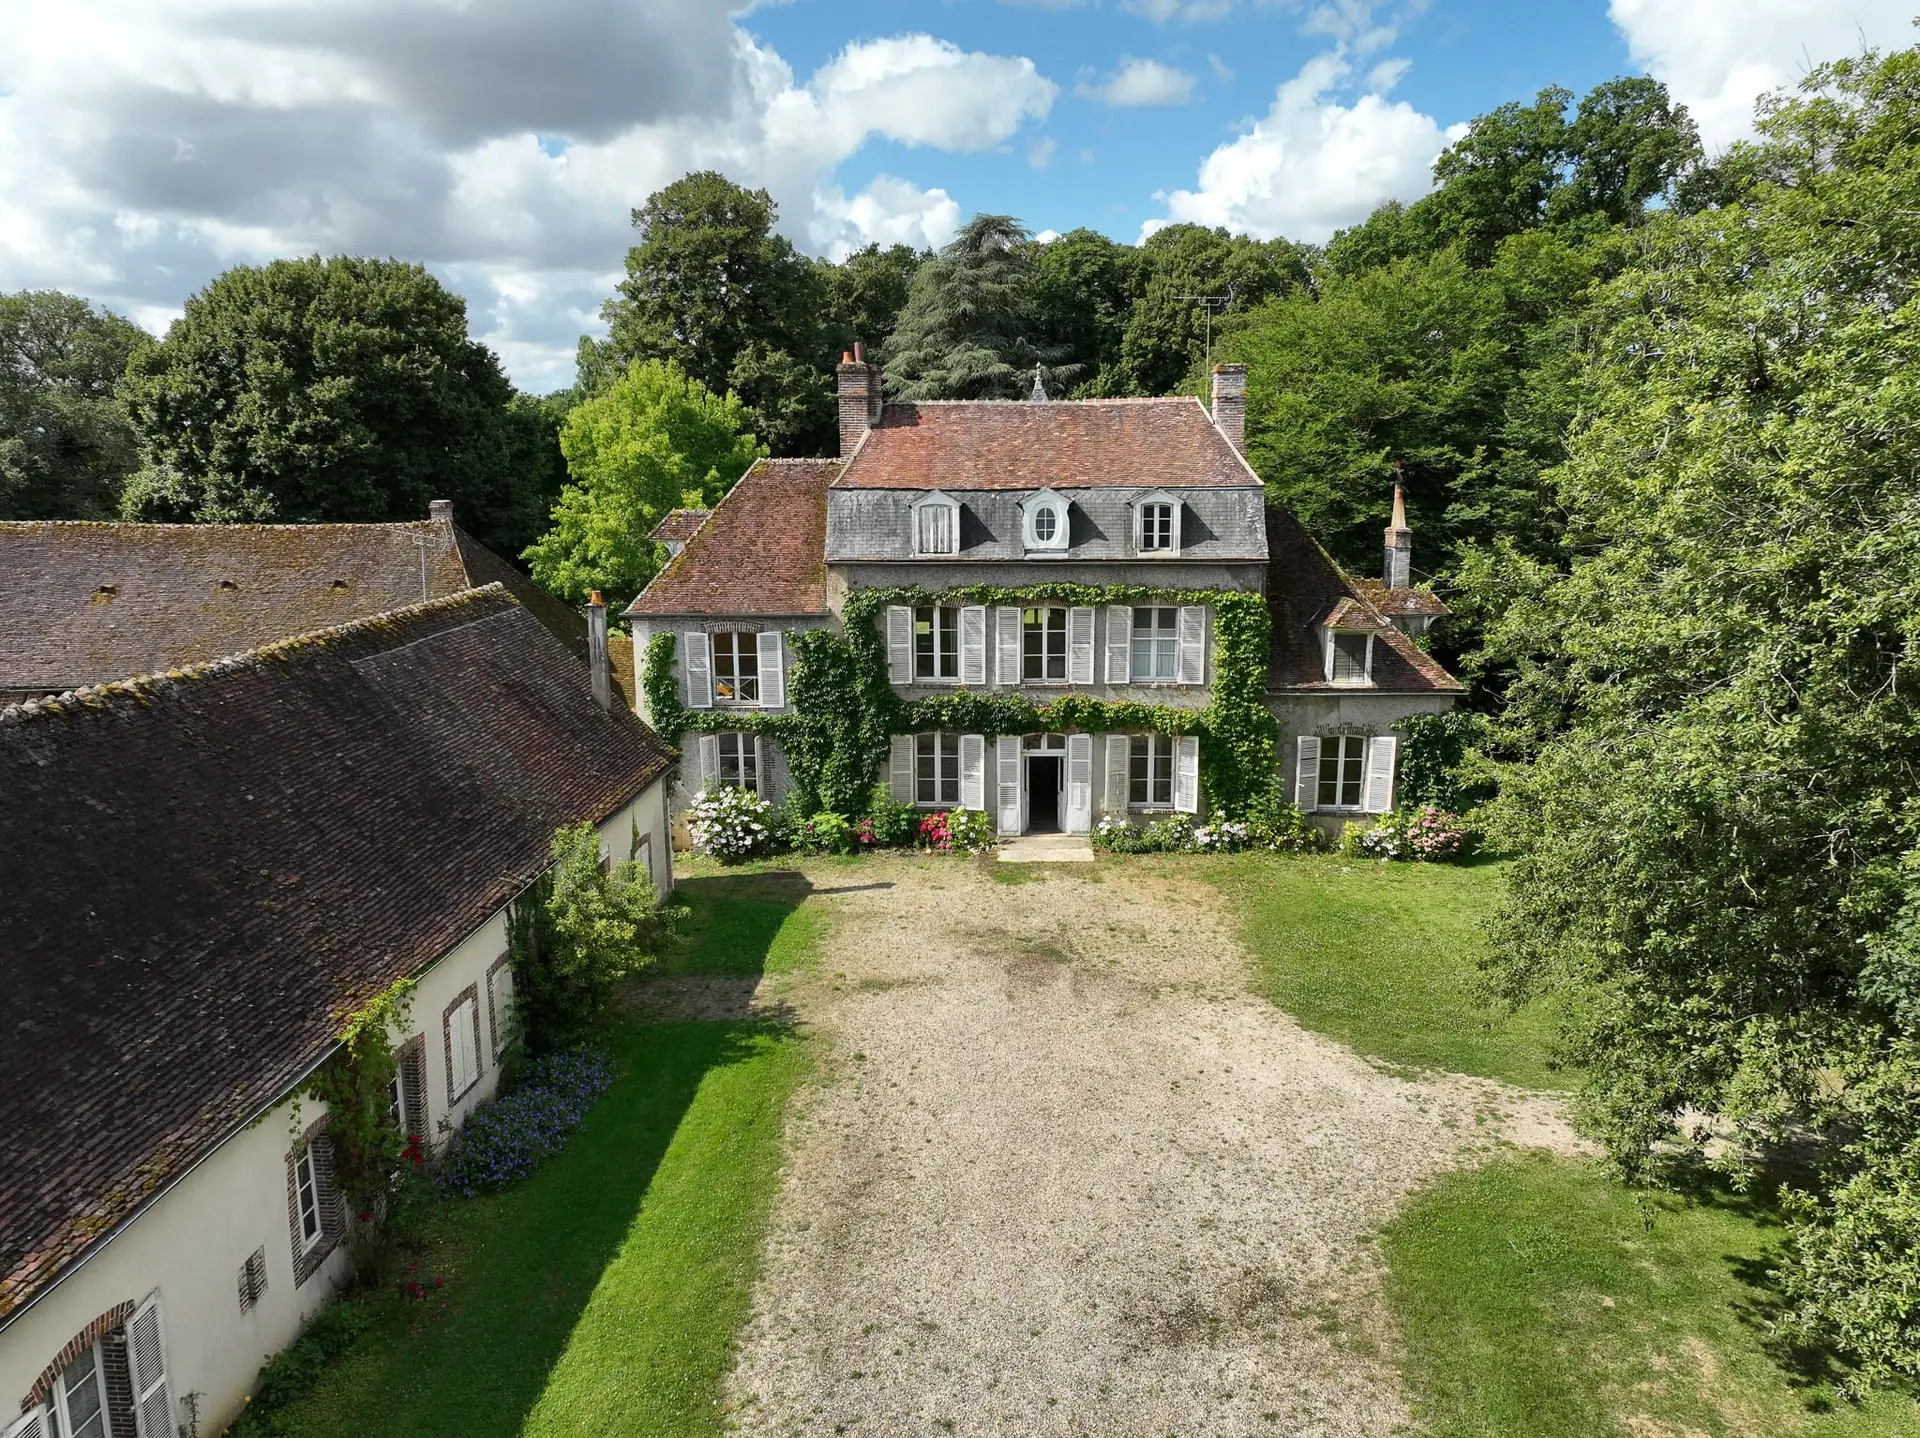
(1210, 303)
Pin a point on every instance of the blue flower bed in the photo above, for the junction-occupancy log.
(505, 1140)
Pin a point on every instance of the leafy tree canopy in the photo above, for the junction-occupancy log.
(1721, 840)
(1084, 289)
(66, 444)
(865, 294)
(654, 440)
(341, 389)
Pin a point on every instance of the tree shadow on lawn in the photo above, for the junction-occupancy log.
(524, 1268)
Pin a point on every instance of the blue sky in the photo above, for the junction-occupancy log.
(146, 145)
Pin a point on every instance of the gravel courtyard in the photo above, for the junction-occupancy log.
(1063, 1174)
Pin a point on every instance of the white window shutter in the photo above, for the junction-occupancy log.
(1119, 771)
(709, 747)
(1193, 644)
(30, 1425)
(1186, 773)
(973, 645)
(1080, 779)
(1080, 645)
(1007, 641)
(760, 784)
(1306, 773)
(773, 671)
(1008, 746)
(899, 644)
(1379, 795)
(147, 1362)
(900, 768)
(466, 1065)
(699, 672)
(973, 771)
(1119, 644)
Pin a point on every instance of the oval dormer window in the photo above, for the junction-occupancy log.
(1046, 523)
(1044, 519)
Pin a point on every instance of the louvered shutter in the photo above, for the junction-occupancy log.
(463, 1035)
(709, 747)
(761, 785)
(147, 1357)
(1306, 774)
(973, 771)
(1006, 621)
(1119, 644)
(1193, 643)
(1379, 795)
(1080, 779)
(773, 671)
(900, 768)
(973, 645)
(699, 672)
(30, 1425)
(1119, 772)
(1008, 756)
(1186, 774)
(1080, 645)
(899, 644)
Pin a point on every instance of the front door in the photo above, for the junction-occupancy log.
(1043, 793)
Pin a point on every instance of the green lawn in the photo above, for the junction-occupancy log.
(1384, 957)
(602, 1295)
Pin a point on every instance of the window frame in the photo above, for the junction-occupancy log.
(739, 642)
(1154, 638)
(943, 642)
(1047, 502)
(747, 754)
(934, 501)
(1045, 633)
(62, 1416)
(1143, 775)
(1354, 776)
(1157, 500)
(944, 746)
(1366, 664)
(306, 1189)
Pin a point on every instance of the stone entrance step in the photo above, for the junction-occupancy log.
(1047, 849)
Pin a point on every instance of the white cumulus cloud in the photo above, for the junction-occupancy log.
(1718, 56)
(1140, 82)
(1312, 164)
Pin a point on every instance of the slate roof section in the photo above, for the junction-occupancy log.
(1411, 603)
(1304, 588)
(198, 869)
(85, 603)
(679, 526)
(1075, 444)
(761, 552)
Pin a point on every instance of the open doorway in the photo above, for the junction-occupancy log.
(1043, 793)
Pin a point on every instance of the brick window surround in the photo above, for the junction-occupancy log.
(109, 1330)
(333, 1214)
(496, 1021)
(471, 991)
(411, 1059)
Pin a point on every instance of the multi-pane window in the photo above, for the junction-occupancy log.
(1044, 636)
(1156, 527)
(936, 643)
(1349, 658)
(1150, 778)
(397, 1098)
(1343, 771)
(739, 761)
(736, 667)
(83, 1408)
(936, 529)
(936, 770)
(306, 1187)
(1156, 643)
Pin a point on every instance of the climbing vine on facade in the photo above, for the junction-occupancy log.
(844, 708)
(355, 1084)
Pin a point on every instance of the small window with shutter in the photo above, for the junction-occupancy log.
(1350, 658)
(1150, 783)
(1343, 771)
(936, 771)
(462, 1022)
(736, 667)
(253, 1279)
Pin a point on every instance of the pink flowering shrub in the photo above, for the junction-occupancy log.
(1425, 834)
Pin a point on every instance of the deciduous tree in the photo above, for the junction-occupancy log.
(66, 444)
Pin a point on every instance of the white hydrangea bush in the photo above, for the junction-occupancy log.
(729, 823)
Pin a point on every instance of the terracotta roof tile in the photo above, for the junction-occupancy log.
(679, 525)
(763, 551)
(1413, 603)
(1304, 588)
(290, 829)
(1010, 444)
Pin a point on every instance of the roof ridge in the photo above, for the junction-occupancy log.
(141, 687)
(244, 527)
(1052, 403)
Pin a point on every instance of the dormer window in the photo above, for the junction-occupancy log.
(1043, 522)
(1156, 524)
(1349, 657)
(936, 525)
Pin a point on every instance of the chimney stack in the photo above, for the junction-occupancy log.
(1230, 404)
(1399, 570)
(598, 670)
(861, 399)
(440, 509)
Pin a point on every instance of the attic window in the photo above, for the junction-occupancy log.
(1044, 522)
(226, 584)
(1349, 657)
(338, 584)
(1156, 524)
(936, 525)
(105, 593)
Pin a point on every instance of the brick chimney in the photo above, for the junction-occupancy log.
(1230, 404)
(599, 671)
(861, 398)
(1399, 570)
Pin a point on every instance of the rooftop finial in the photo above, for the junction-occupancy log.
(1039, 395)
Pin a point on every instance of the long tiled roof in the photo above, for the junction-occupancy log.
(1001, 444)
(1410, 603)
(679, 526)
(84, 603)
(198, 869)
(762, 551)
(1305, 589)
